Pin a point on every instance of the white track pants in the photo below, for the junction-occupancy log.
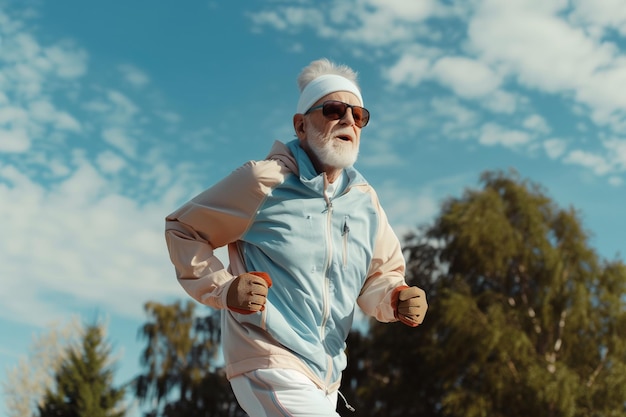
(282, 393)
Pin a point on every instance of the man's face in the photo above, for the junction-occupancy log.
(331, 144)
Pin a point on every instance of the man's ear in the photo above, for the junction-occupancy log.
(298, 125)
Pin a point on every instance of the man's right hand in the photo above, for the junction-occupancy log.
(248, 292)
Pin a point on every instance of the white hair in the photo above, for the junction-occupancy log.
(324, 66)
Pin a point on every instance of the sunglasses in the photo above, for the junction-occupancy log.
(335, 110)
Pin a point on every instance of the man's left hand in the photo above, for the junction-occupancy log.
(412, 306)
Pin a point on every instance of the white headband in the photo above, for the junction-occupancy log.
(323, 85)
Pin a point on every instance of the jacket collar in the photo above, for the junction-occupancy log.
(306, 171)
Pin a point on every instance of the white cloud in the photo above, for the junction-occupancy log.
(14, 141)
(119, 139)
(600, 15)
(607, 103)
(555, 56)
(27, 63)
(536, 123)
(57, 167)
(24, 80)
(372, 22)
(8, 25)
(501, 102)
(97, 105)
(19, 47)
(597, 163)
(617, 151)
(81, 243)
(20, 127)
(403, 10)
(123, 109)
(30, 74)
(555, 147)
(44, 111)
(169, 116)
(13, 116)
(458, 121)
(290, 18)
(466, 77)
(451, 108)
(409, 69)
(67, 61)
(494, 134)
(377, 26)
(114, 108)
(551, 56)
(133, 75)
(110, 163)
(272, 19)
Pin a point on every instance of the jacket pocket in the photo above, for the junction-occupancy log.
(345, 235)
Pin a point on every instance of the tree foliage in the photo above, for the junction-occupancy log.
(524, 317)
(180, 371)
(84, 381)
(27, 382)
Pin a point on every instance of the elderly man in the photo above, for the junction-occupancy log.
(307, 241)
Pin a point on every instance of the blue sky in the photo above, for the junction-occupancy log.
(114, 113)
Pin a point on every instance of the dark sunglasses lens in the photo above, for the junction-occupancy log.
(361, 116)
(334, 110)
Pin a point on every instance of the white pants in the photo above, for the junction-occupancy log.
(282, 393)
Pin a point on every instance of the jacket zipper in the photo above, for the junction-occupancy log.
(329, 246)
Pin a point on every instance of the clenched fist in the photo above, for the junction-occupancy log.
(248, 292)
(412, 306)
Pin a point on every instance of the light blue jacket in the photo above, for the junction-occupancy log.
(323, 254)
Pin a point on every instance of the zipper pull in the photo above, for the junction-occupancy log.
(346, 228)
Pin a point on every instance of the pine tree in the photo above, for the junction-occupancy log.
(84, 381)
(27, 382)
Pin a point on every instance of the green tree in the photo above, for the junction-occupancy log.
(181, 376)
(84, 381)
(26, 383)
(524, 319)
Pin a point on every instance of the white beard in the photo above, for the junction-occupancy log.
(331, 152)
